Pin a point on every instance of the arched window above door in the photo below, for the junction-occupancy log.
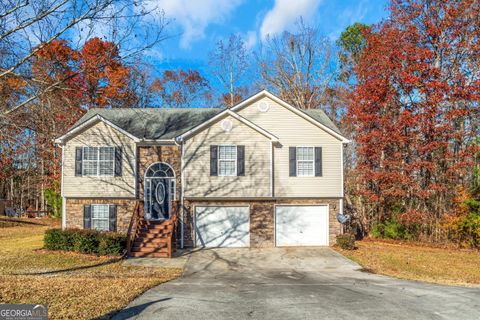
(160, 170)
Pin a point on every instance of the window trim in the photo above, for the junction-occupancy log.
(92, 206)
(98, 161)
(312, 161)
(234, 160)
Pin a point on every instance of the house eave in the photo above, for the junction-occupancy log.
(75, 130)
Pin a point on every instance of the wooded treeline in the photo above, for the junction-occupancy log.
(406, 91)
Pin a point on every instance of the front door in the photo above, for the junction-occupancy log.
(158, 204)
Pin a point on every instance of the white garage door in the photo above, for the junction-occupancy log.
(301, 226)
(222, 226)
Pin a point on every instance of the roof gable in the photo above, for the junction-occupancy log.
(89, 123)
(227, 112)
(315, 116)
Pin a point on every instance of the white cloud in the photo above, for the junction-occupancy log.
(285, 13)
(194, 17)
(348, 16)
(250, 39)
(354, 14)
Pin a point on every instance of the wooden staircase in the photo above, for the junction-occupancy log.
(153, 239)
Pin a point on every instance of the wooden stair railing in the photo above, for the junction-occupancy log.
(173, 221)
(135, 225)
(151, 238)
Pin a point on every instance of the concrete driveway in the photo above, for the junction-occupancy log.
(295, 283)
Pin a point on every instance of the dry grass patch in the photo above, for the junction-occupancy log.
(418, 262)
(75, 286)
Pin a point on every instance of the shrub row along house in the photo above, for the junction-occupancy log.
(259, 174)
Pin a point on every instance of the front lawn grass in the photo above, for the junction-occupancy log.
(417, 262)
(75, 286)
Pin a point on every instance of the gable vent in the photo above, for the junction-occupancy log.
(227, 125)
(263, 106)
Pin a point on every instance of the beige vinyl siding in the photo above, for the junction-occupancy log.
(255, 183)
(292, 131)
(98, 135)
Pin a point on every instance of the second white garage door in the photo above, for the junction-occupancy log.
(222, 226)
(301, 226)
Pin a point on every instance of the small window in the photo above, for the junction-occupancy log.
(227, 160)
(305, 162)
(100, 216)
(98, 161)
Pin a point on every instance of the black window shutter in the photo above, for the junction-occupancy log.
(293, 161)
(87, 216)
(240, 160)
(78, 161)
(318, 161)
(112, 217)
(214, 160)
(118, 161)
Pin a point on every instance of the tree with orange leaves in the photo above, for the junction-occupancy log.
(105, 77)
(181, 89)
(415, 110)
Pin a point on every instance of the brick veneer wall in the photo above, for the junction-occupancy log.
(75, 211)
(169, 154)
(262, 221)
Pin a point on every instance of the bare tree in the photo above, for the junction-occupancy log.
(299, 66)
(35, 105)
(229, 62)
(27, 26)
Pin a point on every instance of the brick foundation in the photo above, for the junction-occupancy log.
(262, 221)
(75, 211)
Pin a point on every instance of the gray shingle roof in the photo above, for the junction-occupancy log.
(153, 123)
(320, 116)
(168, 123)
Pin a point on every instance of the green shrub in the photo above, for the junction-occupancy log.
(112, 245)
(377, 230)
(85, 241)
(54, 201)
(346, 241)
(469, 228)
(392, 229)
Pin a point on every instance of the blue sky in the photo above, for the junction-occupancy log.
(198, 24)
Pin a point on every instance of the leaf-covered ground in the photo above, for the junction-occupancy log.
(418, 262)
(75, 286)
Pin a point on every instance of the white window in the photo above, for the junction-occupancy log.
(98, 161)
(227, 160)
(100, 214)
(305, 162)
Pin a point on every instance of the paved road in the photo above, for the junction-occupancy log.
(295, 283)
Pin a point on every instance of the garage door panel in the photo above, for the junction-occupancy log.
(301, 225)
(222, 226)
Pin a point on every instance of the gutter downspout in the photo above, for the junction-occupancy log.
(179, 142)
(64, 200)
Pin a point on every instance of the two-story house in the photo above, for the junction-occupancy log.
(260, 174)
